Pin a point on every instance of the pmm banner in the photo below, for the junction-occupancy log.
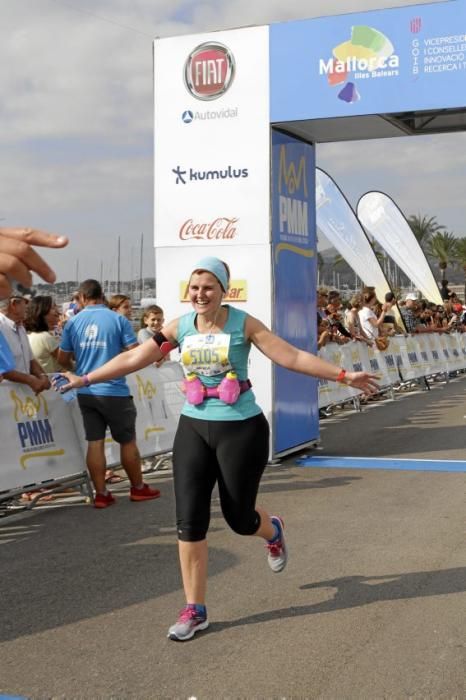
(294, 275)
(38, 438)
(42, 437)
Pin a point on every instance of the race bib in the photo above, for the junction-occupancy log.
(206, 354)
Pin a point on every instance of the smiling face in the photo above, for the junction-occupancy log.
(205, 293)
(154, 321)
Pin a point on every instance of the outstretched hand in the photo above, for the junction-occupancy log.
(74, 382)
(18, 258)
(364, 381)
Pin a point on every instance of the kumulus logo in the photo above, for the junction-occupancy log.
(185, 175)
(368, 54)
(209, 71)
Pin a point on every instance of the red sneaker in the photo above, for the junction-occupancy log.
(144, 494)
(104, 500)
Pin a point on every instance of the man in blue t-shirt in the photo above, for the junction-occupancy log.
(93, 337)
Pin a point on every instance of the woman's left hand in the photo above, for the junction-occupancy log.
(365, 381)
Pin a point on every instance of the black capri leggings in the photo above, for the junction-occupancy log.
(232, 453)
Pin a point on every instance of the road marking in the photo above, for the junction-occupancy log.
(418, 465)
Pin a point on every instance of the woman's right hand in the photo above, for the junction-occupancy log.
(74, 382)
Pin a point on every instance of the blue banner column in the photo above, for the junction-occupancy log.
(294, 265)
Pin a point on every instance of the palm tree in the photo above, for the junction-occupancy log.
(442, 247)
(461, 258)
(424, 228)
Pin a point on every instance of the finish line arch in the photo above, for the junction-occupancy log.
(237, 116)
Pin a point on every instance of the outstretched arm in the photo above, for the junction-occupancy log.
(125, 363)
(290, 357)
(18, 259)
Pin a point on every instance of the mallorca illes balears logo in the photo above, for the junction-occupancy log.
(368, 54)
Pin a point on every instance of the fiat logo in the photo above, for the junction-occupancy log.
(209, 71)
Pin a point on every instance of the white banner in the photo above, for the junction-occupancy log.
(42, 437)
(339, 224)
(38, 438)
(384, 221)
(212, 140)
(158, 398)
(411, 357)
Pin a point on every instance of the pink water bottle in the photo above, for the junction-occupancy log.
(229, 388)
(194, 389)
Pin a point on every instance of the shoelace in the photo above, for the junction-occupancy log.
(188, 614)
(275, 548)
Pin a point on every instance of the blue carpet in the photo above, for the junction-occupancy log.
(418, 465)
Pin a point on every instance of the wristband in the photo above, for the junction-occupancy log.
(86, 380)
(341, 377)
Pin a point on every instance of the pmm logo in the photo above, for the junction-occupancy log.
(291, 176)
(209, 71)
(33, 432)
(145, 389)
(293, 212)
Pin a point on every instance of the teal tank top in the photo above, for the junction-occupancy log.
(210, 356)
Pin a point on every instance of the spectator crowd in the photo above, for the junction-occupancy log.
(365, 319)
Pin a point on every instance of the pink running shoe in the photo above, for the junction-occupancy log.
(189, 622)
(278, 553)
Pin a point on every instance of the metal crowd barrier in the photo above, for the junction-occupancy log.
(407, 359)
(42, 438)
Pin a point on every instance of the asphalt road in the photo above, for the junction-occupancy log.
(371, 605)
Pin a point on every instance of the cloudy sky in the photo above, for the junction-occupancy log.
(76, 115)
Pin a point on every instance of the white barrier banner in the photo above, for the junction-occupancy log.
(42, 437)
(425, 359)
(38, 438)
(436, 352)
(406, 358)
(445, 350)
(462, 346)
(456, 354)
(158, 398)
(378, 365)
(391, 357)
(331, 392)
(409, 350)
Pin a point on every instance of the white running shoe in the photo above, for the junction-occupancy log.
(189, 622)
(278, 553)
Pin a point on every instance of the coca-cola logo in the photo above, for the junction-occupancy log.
(222, 228)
